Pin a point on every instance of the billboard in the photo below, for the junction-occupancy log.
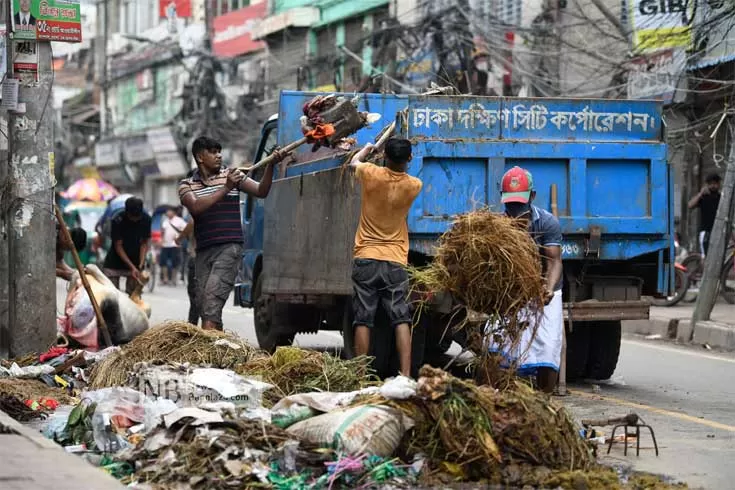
(233, 32)
(660, 24)
(657, 75)
(172, 9)
(715, 18)
(47, 20)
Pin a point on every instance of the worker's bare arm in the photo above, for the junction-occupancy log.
(262, 188)
(361, 156)
(552, 254)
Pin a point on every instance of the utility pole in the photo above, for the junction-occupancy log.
(28, 201)
(719, 239)
(5, 219)
(105, 113)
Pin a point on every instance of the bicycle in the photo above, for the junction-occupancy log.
(694, 265)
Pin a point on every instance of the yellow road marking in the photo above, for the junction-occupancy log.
(677, 415)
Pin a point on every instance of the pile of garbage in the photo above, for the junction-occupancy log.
(183, 408)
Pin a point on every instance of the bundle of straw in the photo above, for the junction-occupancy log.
(172, 341)
(489, 264)
(293, 370)
(482, 430)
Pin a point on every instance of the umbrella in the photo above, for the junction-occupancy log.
(90, 190)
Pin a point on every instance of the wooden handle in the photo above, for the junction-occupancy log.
(80, 268)
(554, 203)
(286, 149)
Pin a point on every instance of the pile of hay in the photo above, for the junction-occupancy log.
(492, 266)
(293, 370)
(33, 389)
(177, 342)
(477, 432)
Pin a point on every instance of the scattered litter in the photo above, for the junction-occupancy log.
(193, 387)
(197, 416)
(596, 389)
(26, 372)
(707, 346)
(399, 388)
(227, 343)
(656, 336)
(18, 410)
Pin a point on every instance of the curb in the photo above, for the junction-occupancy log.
(652, 326)
(714, 334)
(32, 450)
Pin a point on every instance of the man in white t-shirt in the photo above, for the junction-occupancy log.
(170, 256)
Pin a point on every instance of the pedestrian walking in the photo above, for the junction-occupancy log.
(379, 275)
(212, 196)
(130, 232)
(707, 200)
(170, 256)
(191, 277)
(538, 354)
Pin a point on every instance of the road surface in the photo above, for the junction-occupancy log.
(686, 394)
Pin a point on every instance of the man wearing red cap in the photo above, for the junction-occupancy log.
(540, 355)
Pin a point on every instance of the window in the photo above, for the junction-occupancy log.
(225, 6)
(263, 151)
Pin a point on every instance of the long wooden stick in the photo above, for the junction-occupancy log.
(285, 150)
(554, 203)
(80, 268)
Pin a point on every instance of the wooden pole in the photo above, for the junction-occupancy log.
(719, 239)
(80, 268)
(561, 388)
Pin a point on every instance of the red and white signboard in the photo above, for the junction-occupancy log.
(171, 9)
(233, 32)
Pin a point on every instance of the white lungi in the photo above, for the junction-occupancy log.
(702, 234)
(543, 350)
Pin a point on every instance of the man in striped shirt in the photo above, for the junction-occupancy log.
(212, 196)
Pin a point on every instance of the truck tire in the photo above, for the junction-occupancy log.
(578, 347)
(267, 317)
(604, 350)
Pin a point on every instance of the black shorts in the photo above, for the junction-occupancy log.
(376, 282)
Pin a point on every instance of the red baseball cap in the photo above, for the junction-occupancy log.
(517, 185)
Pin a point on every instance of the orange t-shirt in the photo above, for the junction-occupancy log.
(386, 198)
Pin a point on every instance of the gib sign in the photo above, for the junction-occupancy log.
(47, 20)
(660, 24)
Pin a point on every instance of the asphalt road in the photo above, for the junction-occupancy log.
(686, 394)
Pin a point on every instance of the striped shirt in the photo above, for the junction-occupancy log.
(220, 224)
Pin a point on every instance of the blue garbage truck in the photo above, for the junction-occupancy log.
(599, 165)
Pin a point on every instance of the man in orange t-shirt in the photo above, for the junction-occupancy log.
(381, 246)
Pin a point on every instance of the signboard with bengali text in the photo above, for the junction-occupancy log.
(47, 20)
